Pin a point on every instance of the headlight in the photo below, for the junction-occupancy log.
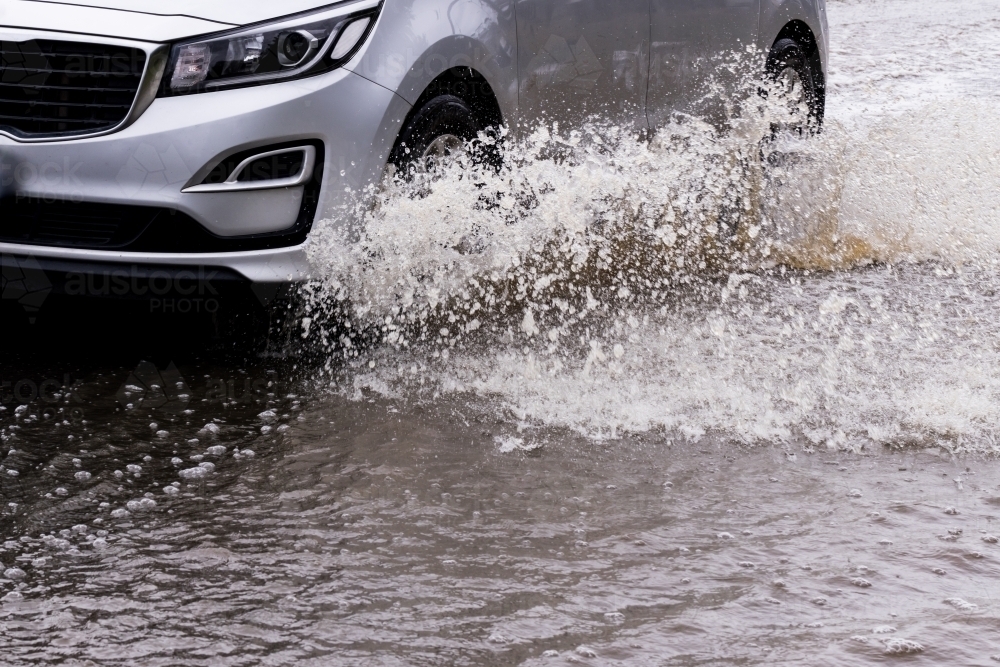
(289, 48)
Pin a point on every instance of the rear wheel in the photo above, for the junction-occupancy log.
(438, 130)
(795, 89)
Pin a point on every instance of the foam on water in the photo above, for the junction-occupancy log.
(835, 291)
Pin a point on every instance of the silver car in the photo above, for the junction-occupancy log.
(181, 137)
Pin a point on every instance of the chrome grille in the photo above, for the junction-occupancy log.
(55, 88)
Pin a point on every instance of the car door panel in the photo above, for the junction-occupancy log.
(582, 58)
(698, 54)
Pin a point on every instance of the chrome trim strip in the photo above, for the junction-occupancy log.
(149, 86)
(272, 265)
(232, 184)
(156, 62)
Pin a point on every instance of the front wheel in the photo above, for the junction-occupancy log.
(438, 130)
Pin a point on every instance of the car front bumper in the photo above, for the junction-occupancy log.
(151, 161)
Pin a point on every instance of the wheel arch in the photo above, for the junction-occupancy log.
(801, 20)
(417, 44)
(798, 31)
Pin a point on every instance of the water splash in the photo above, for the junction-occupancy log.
(826, 291)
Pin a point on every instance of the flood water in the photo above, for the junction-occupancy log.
(554, 449)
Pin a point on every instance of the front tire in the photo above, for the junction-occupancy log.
(440, 128)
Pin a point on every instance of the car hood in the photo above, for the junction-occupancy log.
(156, 21)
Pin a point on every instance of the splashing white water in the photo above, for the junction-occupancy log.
(687, 286)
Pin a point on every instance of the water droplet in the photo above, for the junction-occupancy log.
(897, 646)
(961, 605)
(193, 473)
(209, 429)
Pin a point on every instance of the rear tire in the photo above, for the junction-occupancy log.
(795, 79)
